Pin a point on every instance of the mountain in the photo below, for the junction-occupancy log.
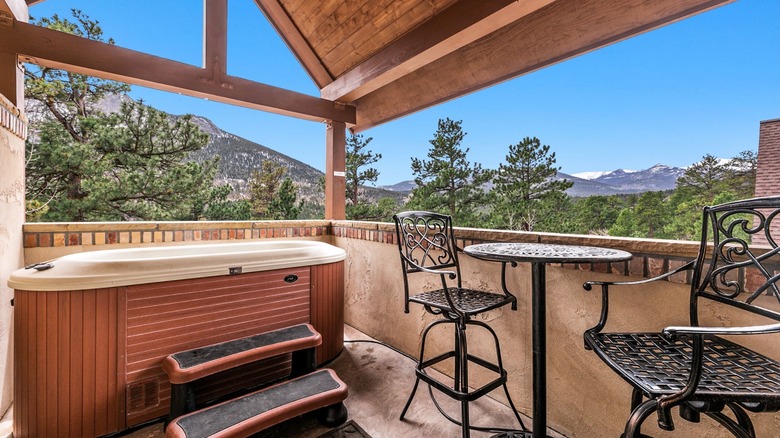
(586, 187)
(620, 181)
(238, 157)
(403, 186)
(658, 177)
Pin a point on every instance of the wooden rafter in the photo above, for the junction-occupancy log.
(461, 24)
(276, 14)
(559, 31)
(54, 49)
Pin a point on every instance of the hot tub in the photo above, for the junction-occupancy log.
(91, 328)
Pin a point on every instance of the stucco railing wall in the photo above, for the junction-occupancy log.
(585, 399)
(13, 130)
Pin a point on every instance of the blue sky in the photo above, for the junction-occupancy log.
(668, 96)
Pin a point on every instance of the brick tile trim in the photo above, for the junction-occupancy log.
(651, 257)
(12, 119)
(38, 235)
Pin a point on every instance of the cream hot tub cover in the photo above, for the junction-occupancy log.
(122, 267)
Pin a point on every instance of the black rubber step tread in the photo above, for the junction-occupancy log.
(257, 409)
(197, 356)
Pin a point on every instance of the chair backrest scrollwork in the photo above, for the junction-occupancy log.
(425, 242)
(731, 267)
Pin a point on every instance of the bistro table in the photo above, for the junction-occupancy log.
(539, 254)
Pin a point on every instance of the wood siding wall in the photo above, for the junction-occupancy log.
(165, 318)
(327, 308)
(66, 373)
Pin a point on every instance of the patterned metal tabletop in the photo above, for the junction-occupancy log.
(546, 253)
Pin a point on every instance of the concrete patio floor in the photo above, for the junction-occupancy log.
(379, 381)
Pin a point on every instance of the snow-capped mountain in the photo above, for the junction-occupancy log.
(658, 177)
(620, 181)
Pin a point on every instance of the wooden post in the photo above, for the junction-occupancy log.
(335, 167)
(215, 41)
(11, 79)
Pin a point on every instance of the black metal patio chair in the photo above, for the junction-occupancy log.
(693, 367)
(427, 245)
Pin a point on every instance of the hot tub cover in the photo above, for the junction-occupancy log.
(123, 267)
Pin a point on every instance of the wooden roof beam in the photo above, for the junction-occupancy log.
(287, 30)
(46, 47)
(215, 37)
(457, 26)
(560, 31)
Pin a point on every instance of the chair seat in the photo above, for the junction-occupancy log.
(468, 301)
(657, 366)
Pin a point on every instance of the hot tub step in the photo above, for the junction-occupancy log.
(186, 367)
(251, 413)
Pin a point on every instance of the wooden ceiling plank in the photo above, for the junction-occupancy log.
(303, 10)
(450, 30)
(341, 26)
(54, 49)
(292, 5)
(560, 31)
(288, 31)
(312, 14)
(391, 30)
(370, 36)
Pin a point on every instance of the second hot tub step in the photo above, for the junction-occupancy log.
(321, 390)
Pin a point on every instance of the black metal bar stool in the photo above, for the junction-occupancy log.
(427, 245)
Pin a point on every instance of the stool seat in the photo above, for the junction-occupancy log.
(468, 301)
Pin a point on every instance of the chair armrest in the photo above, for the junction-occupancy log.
(748, 330)
(451, 274)
(588, 285)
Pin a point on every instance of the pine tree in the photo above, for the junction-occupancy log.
(356, 160)
(448, 182)
(68, 97)
(283, 205)
(525, 183)
(263, 186)
(218, 207)
(132, 167)
(83, 164)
